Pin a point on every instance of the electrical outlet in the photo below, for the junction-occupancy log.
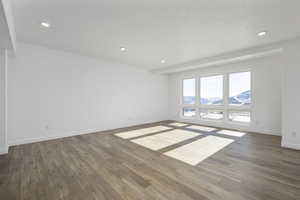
(294, 134)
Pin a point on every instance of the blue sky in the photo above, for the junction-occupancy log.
(212, 86)
(239, 82)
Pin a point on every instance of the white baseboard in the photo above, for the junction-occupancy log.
(3, 150)
(290, 145)
(52, 137)
(68, 133)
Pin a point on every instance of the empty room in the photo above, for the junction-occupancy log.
(149, 100)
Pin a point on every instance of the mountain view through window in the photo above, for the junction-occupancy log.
(240, 88)
(189, 91)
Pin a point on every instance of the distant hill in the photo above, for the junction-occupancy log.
(243, 98)
(189, 100)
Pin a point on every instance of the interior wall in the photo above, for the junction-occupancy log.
(3, 101)
(291, 95)
(55, 94)
(266, 94)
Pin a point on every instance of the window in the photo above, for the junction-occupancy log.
(240, 88)
(222, 97)
(240, 95)
(211, 114)
(211, 90)
(239, 116)
(189, 112)
(189, 91)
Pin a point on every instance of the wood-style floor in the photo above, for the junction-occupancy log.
(103, 166)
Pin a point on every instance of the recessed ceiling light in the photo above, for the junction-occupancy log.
(123, 49)
(45, 24)
(262, 33)
(163, 61)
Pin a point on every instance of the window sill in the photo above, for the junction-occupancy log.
(239, 123)
(244, 124)
(211, 120)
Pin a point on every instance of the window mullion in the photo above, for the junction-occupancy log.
(191, 105)
(226, 96)
(198, 97)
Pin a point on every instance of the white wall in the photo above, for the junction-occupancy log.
(3, 101)
(54, 94)
(7, 29)
(7, 42)
(266, 93)
(291, 95)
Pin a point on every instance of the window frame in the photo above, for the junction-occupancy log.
(182, 91)
(239, 122)
(189, 107)
(245, 108)
(225, 107)
(239, 107)
(182, 105)
(211, 120)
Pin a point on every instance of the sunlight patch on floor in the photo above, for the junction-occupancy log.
(178, 124)
(162, 140)
(141, 132)
(197, 151)
(202, 128)
(232, 133)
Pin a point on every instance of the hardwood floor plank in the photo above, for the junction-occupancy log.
(103, 166)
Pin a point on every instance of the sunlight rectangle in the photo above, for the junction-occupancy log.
(202, 128)
(232, 133)
(141, 132)
(199, 150)
(162, 140)
(178, 124)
